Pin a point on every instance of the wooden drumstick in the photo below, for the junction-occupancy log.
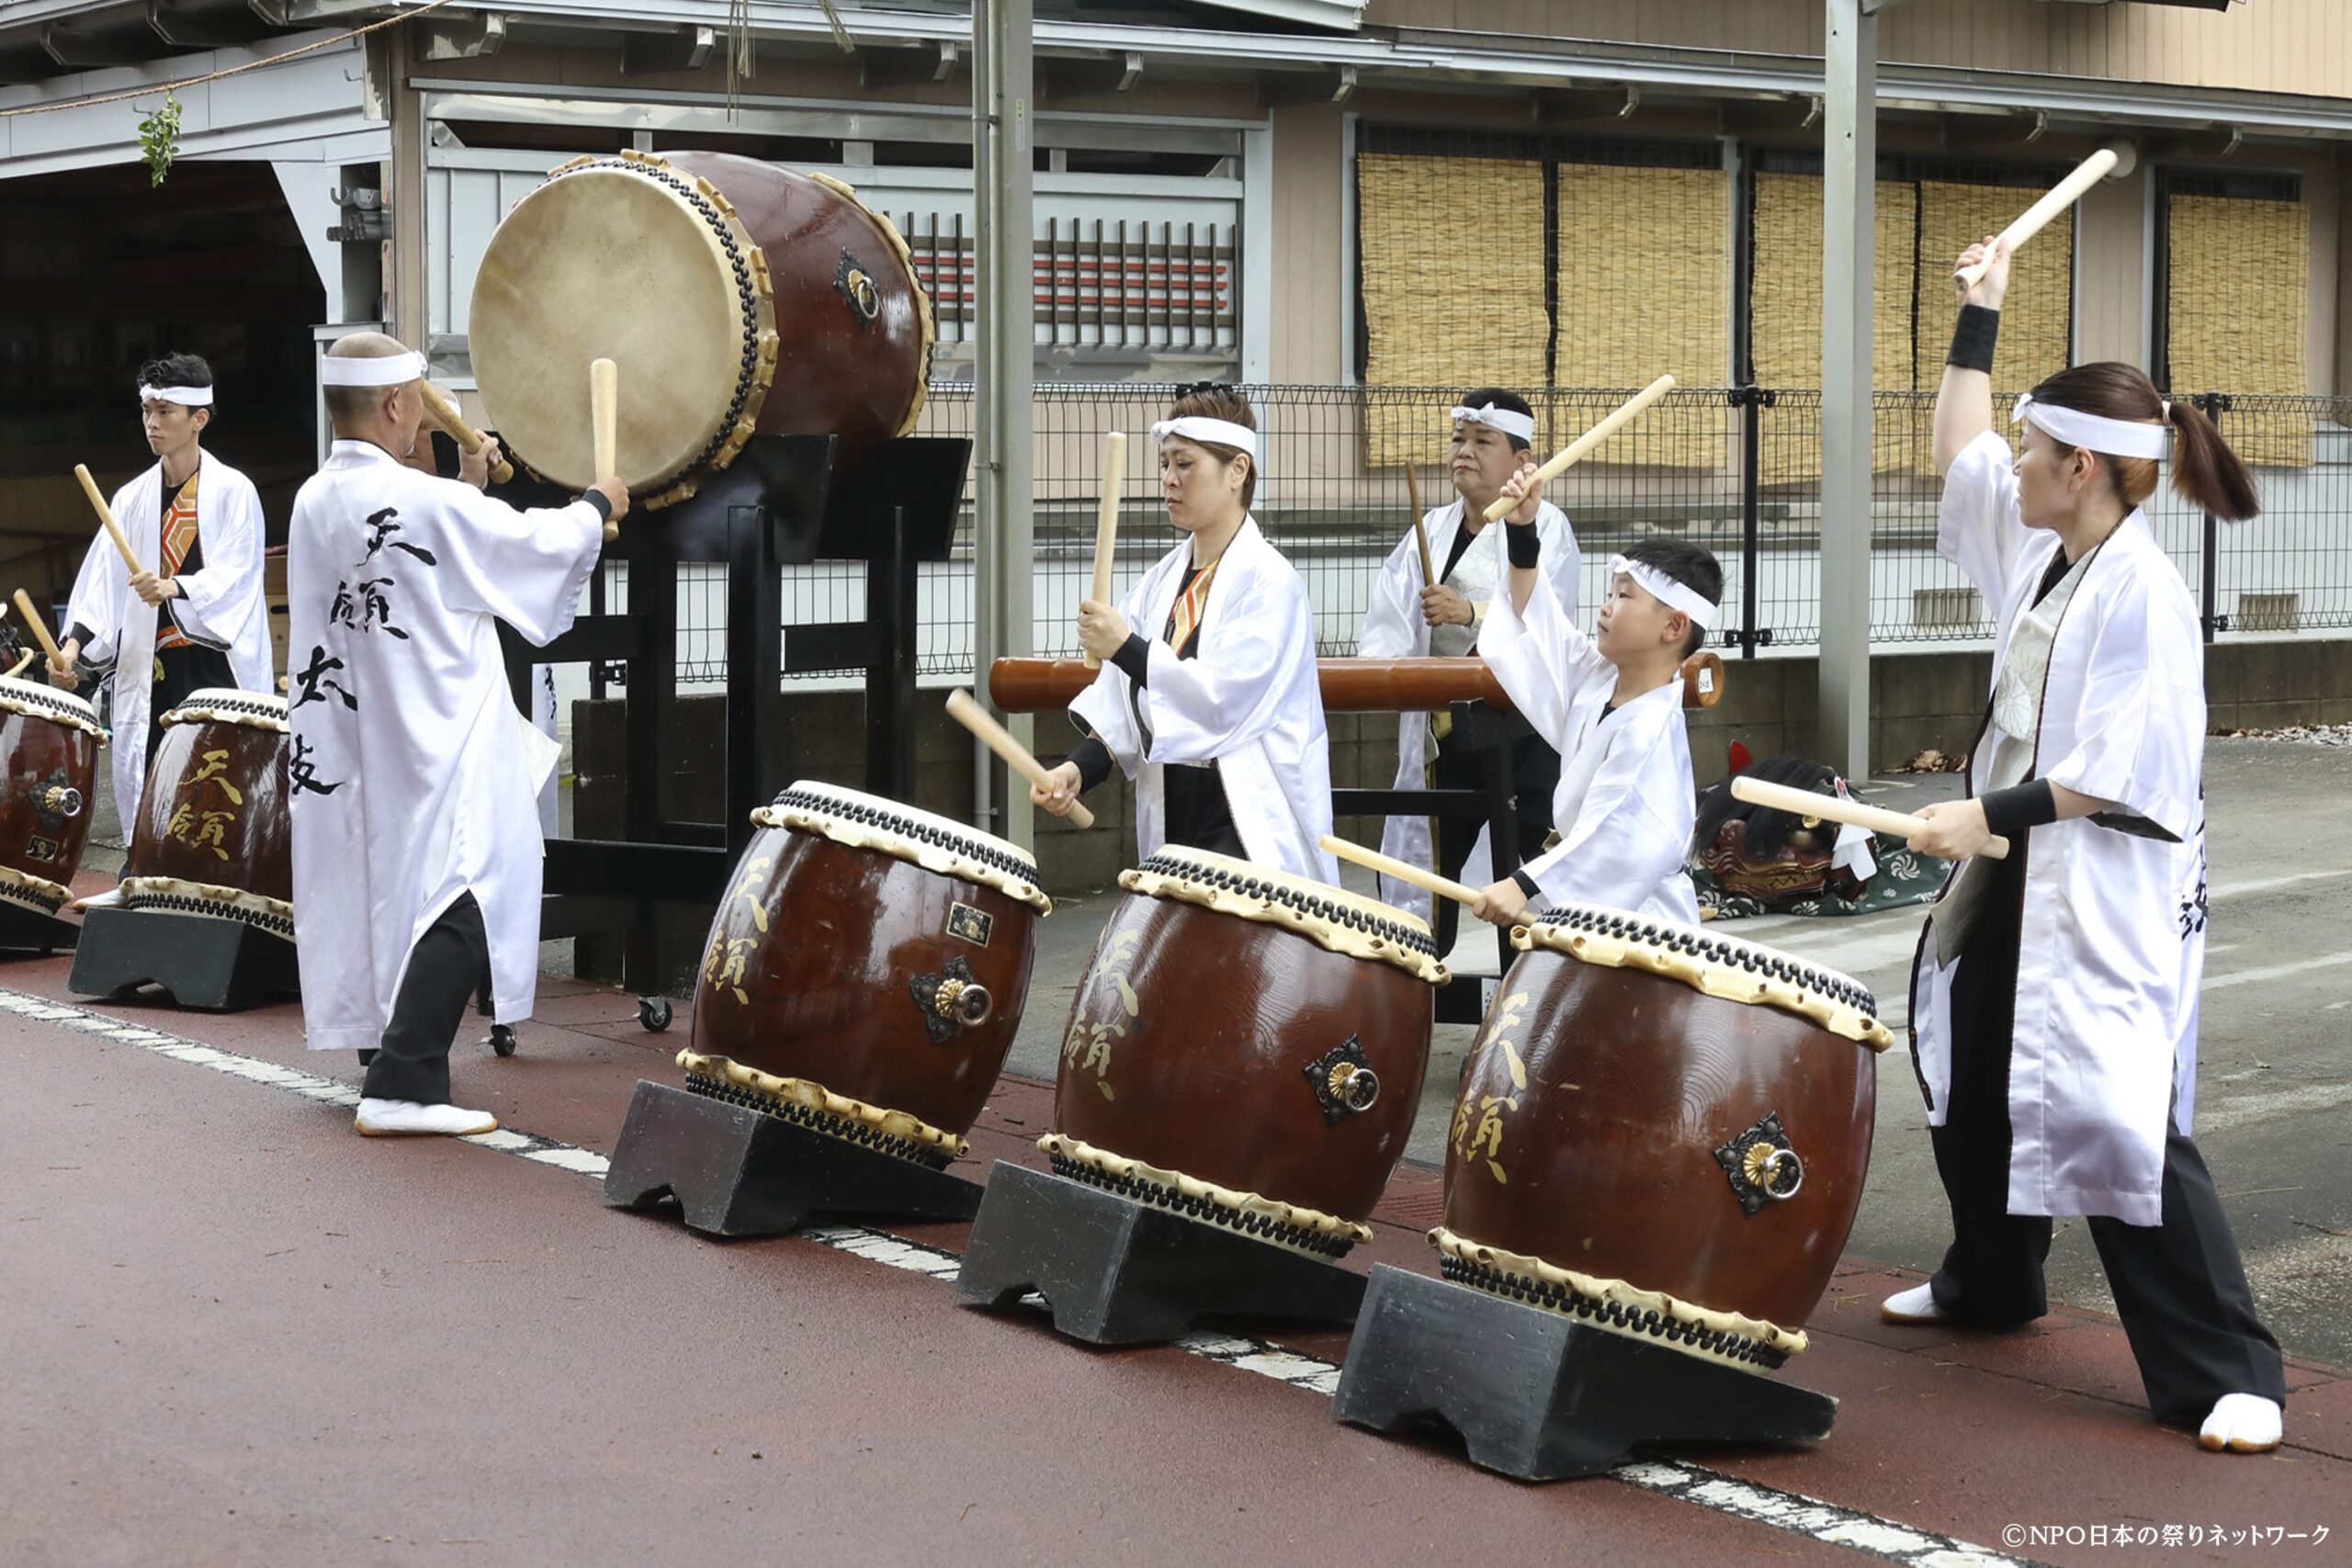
(468, 438)
(605, 425)
(1838, 808)
(39, 626)
(1421, 534)
(1576, 450)
(1106, 520)
(1461, 893)
(2034, 218)
(106, 515)
(1019, 758)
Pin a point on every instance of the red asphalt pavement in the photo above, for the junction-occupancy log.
(235, 1332)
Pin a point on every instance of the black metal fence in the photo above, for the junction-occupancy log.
(1734, 470)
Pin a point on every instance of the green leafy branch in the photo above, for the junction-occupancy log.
(159, 137)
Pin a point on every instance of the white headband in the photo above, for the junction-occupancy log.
(1510, 422)
(388, 371)
(2116, 437)
(187, 397)
(1219, 431)
(1666, 591)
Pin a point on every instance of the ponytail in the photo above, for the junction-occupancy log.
(2205, 472)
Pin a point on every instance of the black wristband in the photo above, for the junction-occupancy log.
(1972, 337)
(1526, 883)
(1134, 658)
(2008, 812)
(1526, 545)
(597, 499)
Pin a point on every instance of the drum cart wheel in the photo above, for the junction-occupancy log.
(653, 1014)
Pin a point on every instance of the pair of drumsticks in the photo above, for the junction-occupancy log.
(604, 419)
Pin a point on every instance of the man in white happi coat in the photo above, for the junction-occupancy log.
(414, 778)
(192, 617)
(1410, 618)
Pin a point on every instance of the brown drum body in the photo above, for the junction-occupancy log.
(733, 297)
(51, 767)
(823, 951)
(1595, 1102)
(1203, 1044)
(214, 820)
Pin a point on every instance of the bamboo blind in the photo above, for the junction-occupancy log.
(2235, 312)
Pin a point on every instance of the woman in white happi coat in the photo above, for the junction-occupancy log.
(417, 854)
(1611, 704)
(192, 617)
(2055, 995)
(1218, 718)
(1410, 618)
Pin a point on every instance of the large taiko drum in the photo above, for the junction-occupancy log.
(1247, 1047)
(49, 745)
(1664, 1133)
(866, 971)
(735, 298)
(213, 835)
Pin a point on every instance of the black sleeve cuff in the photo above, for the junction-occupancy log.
(1093, 760)
(1134, 658)
(2011, 811)
(1523, 877)
(596, 499)
(1973, 339)
(1526, 545)
(79, 632)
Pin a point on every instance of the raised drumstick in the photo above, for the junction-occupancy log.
(1106, 520)
(2034, 218)
(1576, 450)
(604, 425)
(1461, 893)
(1421, 534)
(106, 515)
(469, 439)
(1838, 808)
(999, 740)
(39, 626)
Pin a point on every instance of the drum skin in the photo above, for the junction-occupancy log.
(838, 372)
(1205, 1074)
(39, 754)
(215, 810)
(807, 973)
(1604, 1162)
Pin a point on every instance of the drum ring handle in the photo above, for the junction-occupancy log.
(1773, 1163)
(1357, 1087)
(966, 1002)
(63, 800)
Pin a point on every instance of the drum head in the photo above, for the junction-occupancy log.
(628, 260)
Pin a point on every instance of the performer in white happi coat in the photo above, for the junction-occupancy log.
(2054, 993)
(1219, 718)
(414, 777)
(192, 617)
(1409, 618)
(1613, 704)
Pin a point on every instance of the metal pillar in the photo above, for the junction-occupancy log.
(1849, 172)
(1004, 79)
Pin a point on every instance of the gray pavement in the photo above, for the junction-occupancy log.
(2273, 1086)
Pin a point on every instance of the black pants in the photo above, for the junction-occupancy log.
(2179, 1286)
(178, 671)
(1535, 773)
(449, 961)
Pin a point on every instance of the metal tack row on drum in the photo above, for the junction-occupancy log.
(1660, 1133)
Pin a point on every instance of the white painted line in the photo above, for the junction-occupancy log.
(2272, 883)
(2275, 971)
(1691, 1484)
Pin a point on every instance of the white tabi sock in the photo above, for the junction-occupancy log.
(2243, 1424)
(1916, 1304)
(406, 1118)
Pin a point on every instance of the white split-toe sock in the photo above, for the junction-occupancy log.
(1916, 1304)
(2243, 1424)
(406, 1118)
